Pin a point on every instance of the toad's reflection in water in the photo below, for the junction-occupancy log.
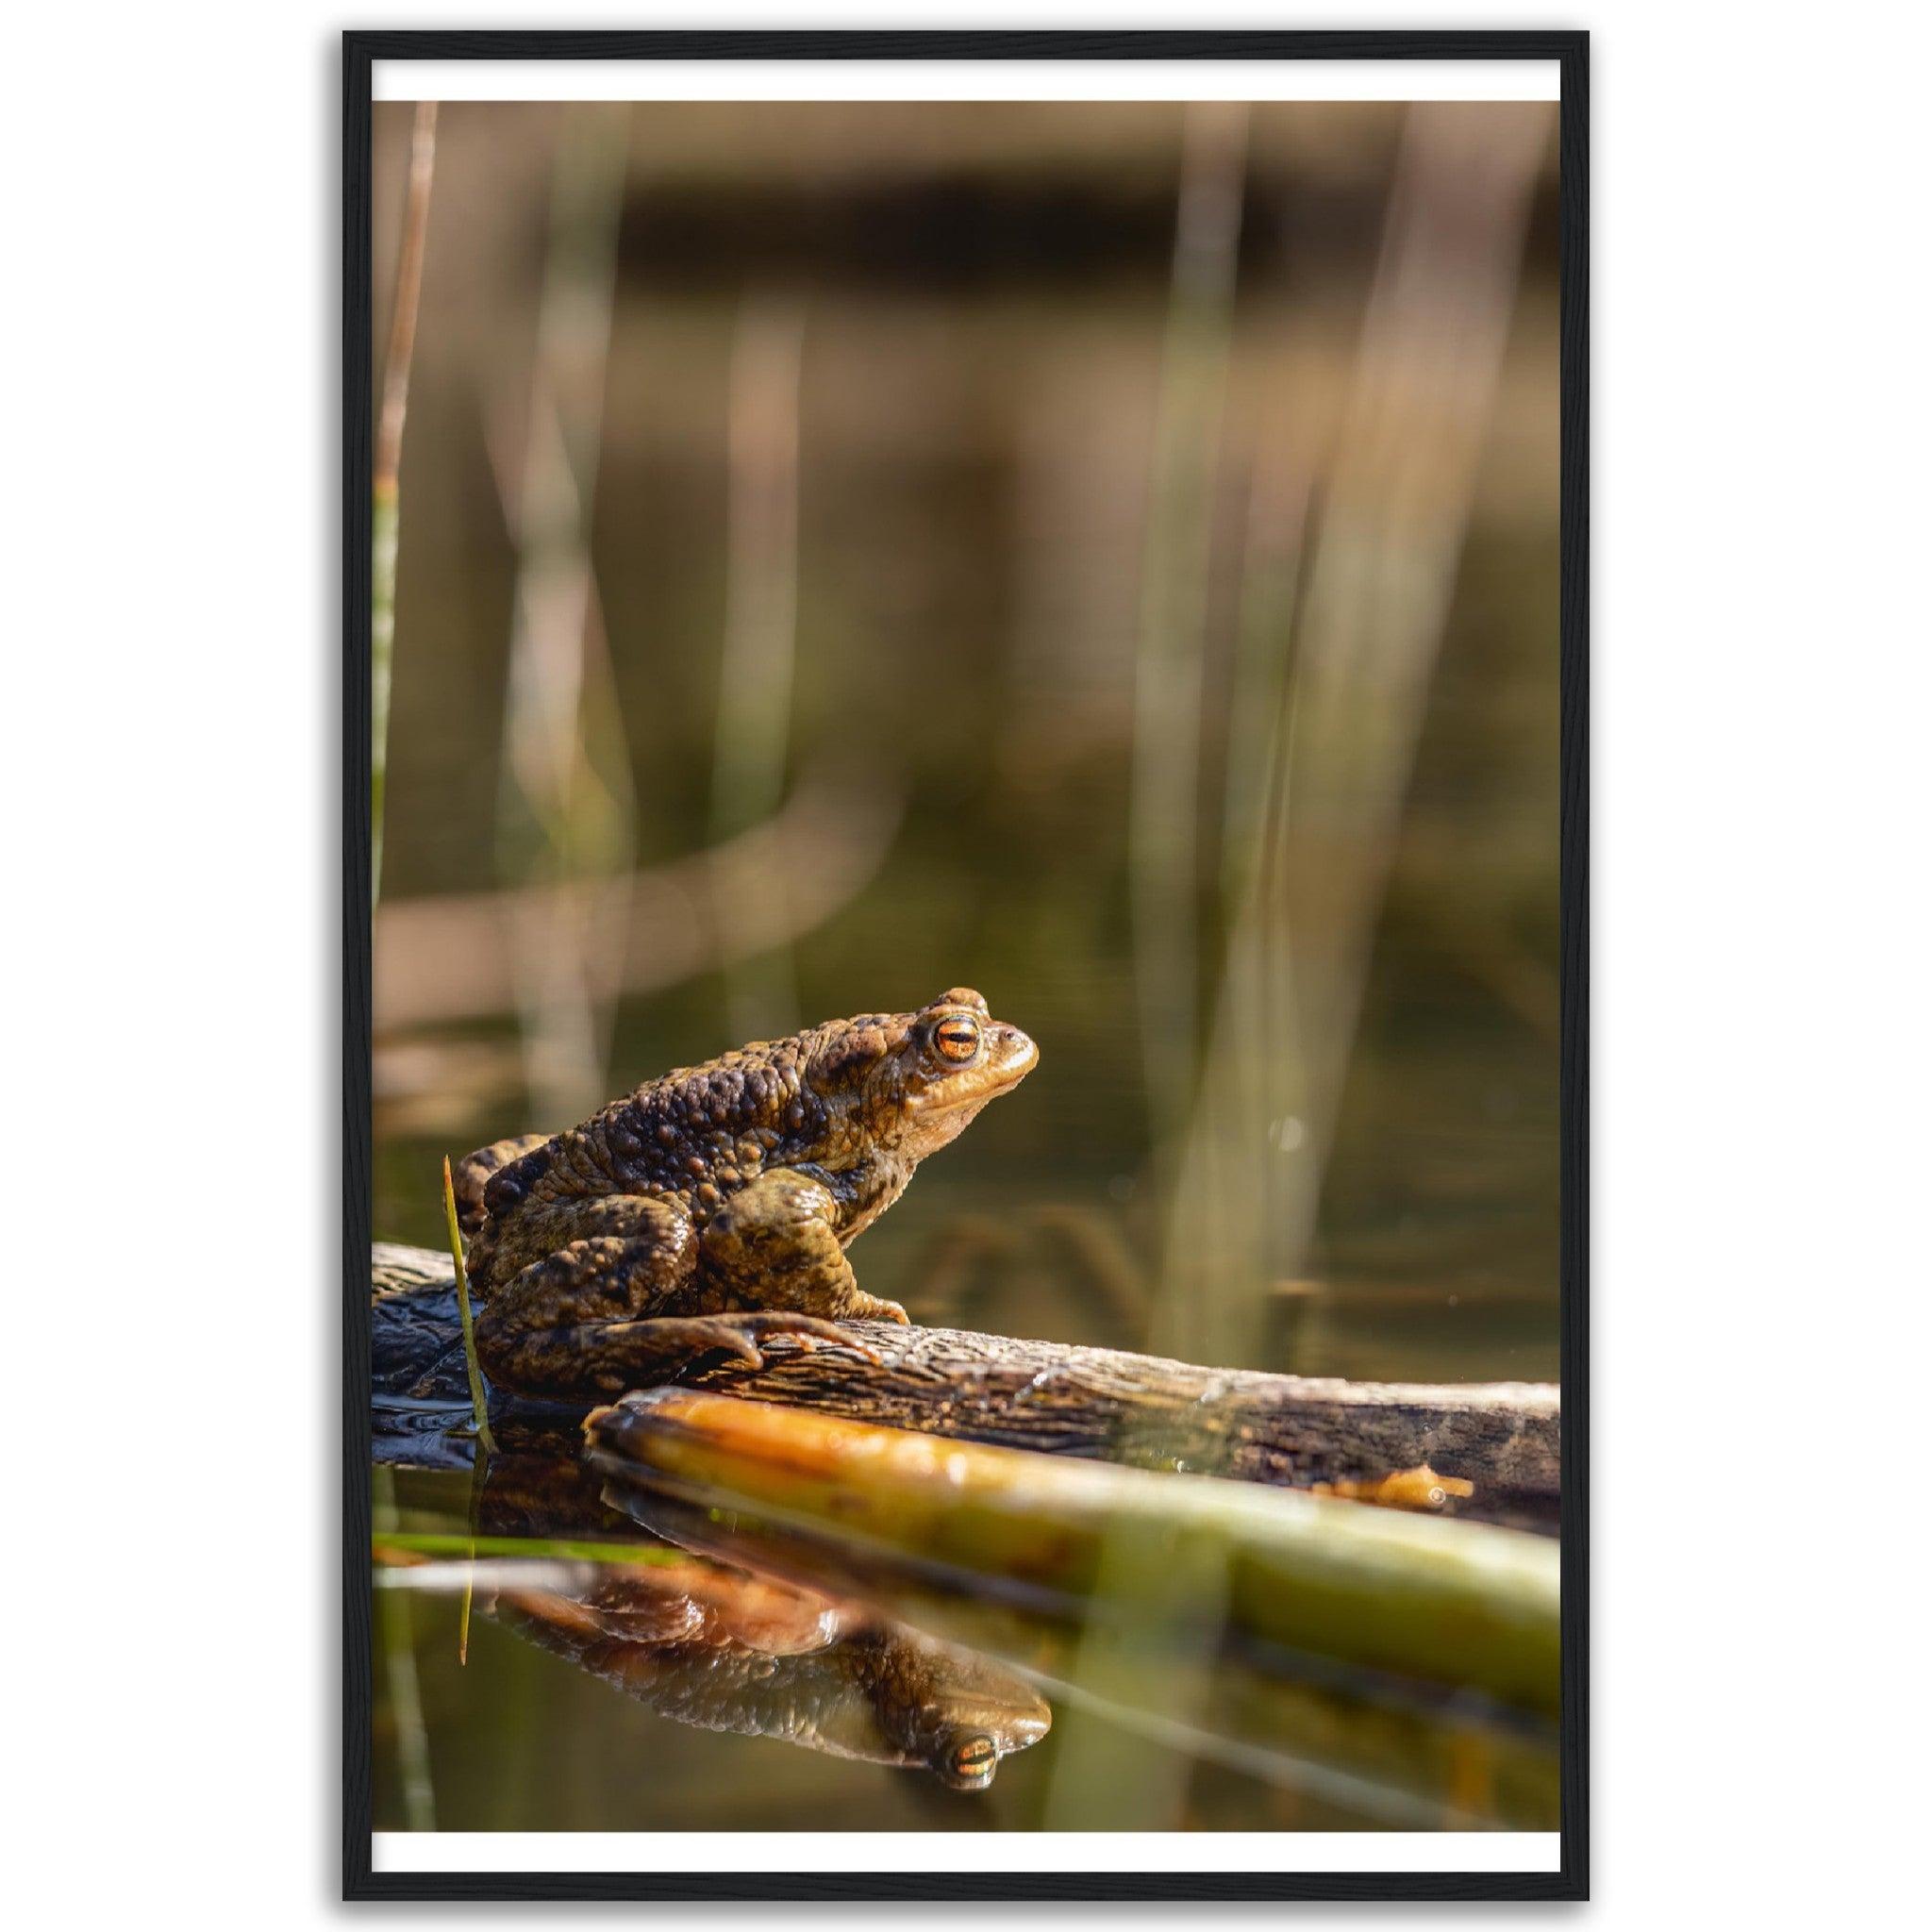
(712, 1647)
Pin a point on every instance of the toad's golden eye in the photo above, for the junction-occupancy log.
(958, 1036)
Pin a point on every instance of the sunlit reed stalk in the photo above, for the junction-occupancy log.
(565, 806)
(388, 467)
(757, 665)
(1164, 819)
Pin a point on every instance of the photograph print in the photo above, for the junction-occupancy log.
(963, 969)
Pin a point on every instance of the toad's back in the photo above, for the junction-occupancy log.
(700, 1133)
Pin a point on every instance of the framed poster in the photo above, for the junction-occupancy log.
(887, 574)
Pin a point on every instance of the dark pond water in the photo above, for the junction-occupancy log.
(563, 1668)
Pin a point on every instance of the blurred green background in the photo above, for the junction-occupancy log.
(1101, 554)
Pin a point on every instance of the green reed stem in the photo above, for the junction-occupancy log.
(446, 1544)
(456, 1247)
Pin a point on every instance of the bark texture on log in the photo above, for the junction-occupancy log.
(1503, 1438)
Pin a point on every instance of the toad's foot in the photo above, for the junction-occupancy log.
(614, 1357)
(869, 1308)
(745, 1335)
(607, 1357)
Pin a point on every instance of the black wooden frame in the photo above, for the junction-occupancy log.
(359, 49)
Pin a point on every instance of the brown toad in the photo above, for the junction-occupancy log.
(712, 1207)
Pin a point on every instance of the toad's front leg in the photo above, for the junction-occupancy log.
(774, 1244)
(615, 1305)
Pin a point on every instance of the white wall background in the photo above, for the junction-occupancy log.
(168, 767)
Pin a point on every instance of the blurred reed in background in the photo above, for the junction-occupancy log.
(565, 807)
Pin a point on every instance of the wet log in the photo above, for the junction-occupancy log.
(1485, 1451)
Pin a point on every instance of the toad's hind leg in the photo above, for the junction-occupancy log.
(586, 1318)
